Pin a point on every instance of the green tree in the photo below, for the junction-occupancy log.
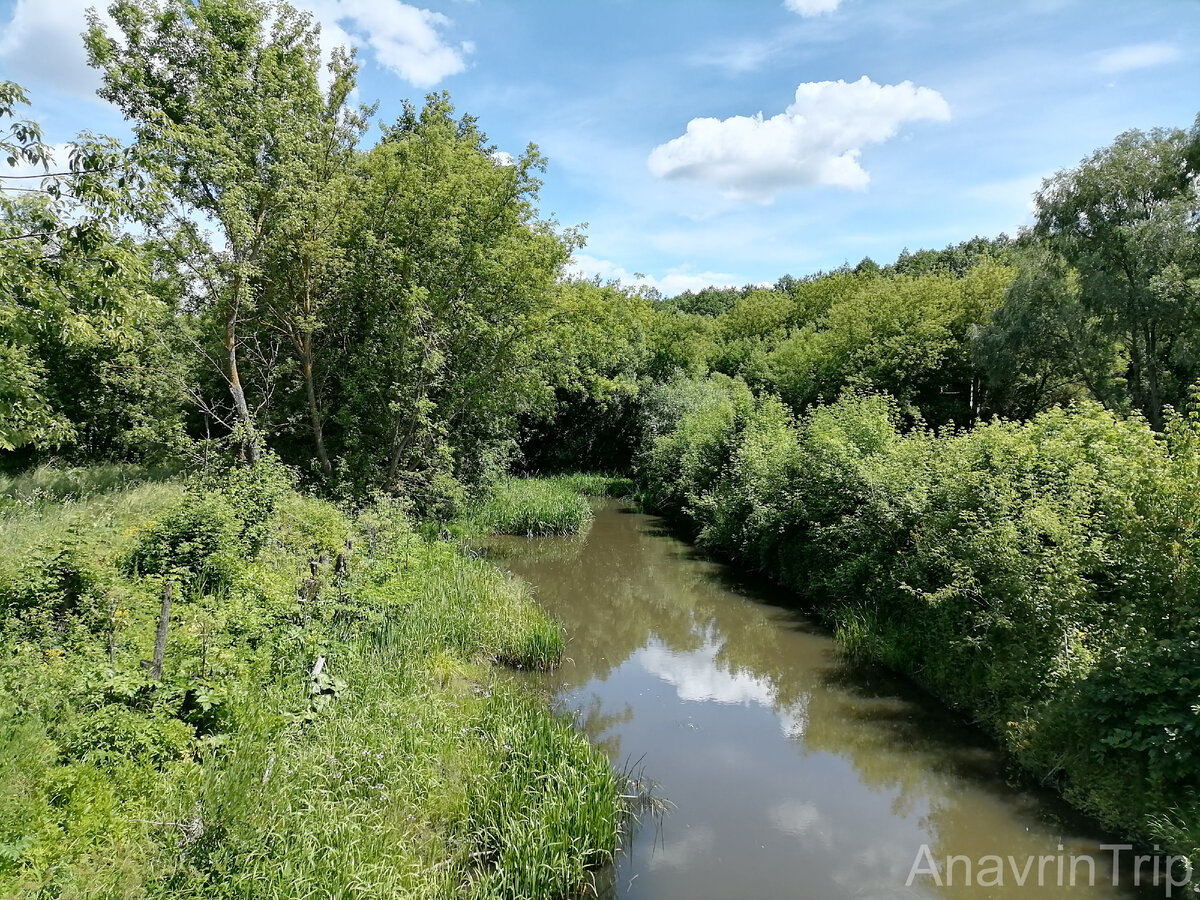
(449, 265)
(305, 258)
(1043, 347)
(1124, 219)
(77, 320)
(226, 113)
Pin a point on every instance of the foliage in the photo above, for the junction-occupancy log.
(401, 766)
(1124, 219)
(1041, 576)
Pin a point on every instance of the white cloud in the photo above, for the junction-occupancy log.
(815, 141)
(697, 676)
(404, 38)
(812, 7)
(676, 281)
(1137, 56)
(42, 46)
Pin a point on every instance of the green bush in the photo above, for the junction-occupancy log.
(1043, 576)
(114, 734)
(196, 541)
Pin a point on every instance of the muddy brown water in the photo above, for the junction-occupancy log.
(793, 773)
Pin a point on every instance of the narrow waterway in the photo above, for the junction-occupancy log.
(792, 773)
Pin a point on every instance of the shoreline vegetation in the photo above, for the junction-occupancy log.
(1041, 577)
(328, 718)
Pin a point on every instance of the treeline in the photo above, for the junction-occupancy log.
(248, 275)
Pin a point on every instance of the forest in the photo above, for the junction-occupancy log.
(258, 380)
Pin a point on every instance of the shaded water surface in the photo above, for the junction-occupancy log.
(793, 773)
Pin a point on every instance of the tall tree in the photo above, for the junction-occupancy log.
(1124, 219)
(306, 255)
(226, 109)
(449, 265)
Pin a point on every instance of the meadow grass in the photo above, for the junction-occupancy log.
(405, 767)
(534, 507)
(52, 483)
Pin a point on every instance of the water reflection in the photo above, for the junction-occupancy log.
(792, 773)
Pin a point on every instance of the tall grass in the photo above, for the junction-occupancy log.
(592, 484)
(48, 483)
(533, 507)
(404, 767)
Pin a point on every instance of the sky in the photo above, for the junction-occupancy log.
(731, 142)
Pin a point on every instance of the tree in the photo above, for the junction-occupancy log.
(1125, 220)
(434, 330)
(305, 257)
(1043, 347)
(75, 310)
(227, 113)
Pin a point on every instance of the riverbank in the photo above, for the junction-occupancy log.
(1040, 577)
(791, 769)
(325, 715)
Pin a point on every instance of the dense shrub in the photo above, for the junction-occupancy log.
(1043, 576)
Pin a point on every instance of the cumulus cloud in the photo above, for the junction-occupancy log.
(817, 140)
(405, 39)
(812, 7)
(41, 46)
(1137, 56)
(674, 282)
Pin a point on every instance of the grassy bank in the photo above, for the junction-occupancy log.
(328, 722)
(542, 507)
(1043, 577)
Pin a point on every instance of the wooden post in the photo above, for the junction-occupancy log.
(160, 637)
(342, 566)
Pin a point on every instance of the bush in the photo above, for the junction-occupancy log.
(1044, 576)
(197, 541)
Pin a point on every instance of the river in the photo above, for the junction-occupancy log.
(793, 773)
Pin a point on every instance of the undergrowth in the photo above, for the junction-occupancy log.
(329, 720)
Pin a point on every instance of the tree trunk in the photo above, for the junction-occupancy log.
(249, 439)
(306, 365)
(1154, 398)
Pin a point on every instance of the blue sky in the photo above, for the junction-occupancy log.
(733, 142)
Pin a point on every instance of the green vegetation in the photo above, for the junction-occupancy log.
(327, 720)
(1041, 576)
(533, 507)
(979, 461)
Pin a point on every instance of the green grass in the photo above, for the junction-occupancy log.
(534, 507)
(409, 767)
(48, 484)
(592, 484)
